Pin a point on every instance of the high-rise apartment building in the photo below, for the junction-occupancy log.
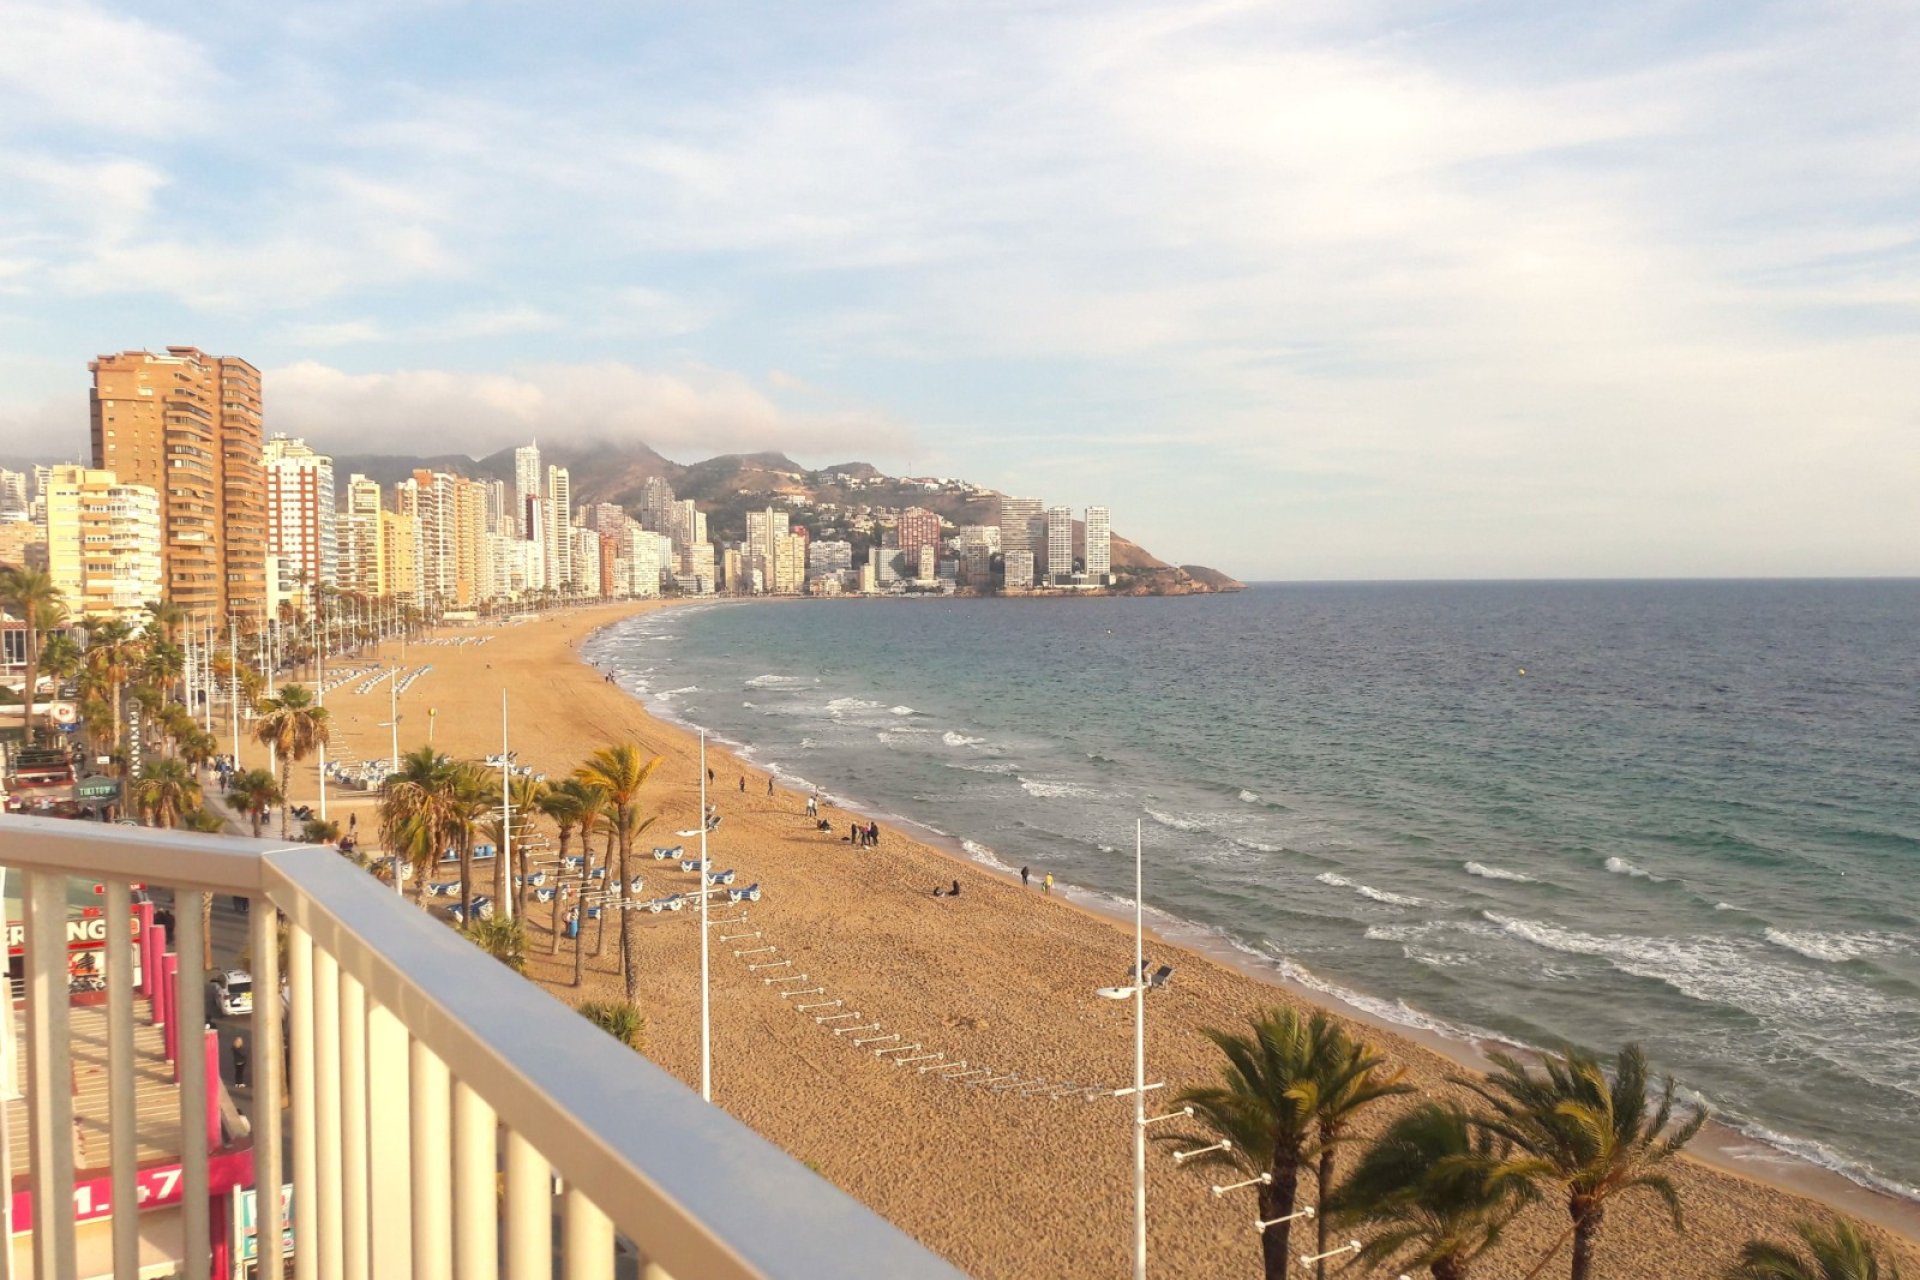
(559, 527)
(14, 502)
(528, 479)
(401, 550)
(1016, 518)
(363, 566)
(187, 425)
(584, 562)
(918, 528)
(1099, 544)
(472, 554)
(1017, 570)
(103, 543)
(301, 513)
(765, 531)
(1059, 543)
(656, 505)
(428, 496)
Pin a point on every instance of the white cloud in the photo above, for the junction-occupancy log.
(690, 414)
(72, 63)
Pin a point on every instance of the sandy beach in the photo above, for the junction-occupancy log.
(1003, 1184)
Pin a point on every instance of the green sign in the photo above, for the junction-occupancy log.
(97, 788)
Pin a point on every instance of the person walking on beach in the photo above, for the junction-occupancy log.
(743, 782)
(813, 805)
(873, 834)
(1046, 885)
(1025, 879)
(769, 784)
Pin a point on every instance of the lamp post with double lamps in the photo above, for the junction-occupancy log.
(1136, 991)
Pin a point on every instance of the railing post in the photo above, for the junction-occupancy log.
(266, 1078)
(432, 1166)
(306, 1176)
(122, 1139)
(353, 1126)
(529, 1210)
(49, 1075)
(326, 1111)
(587, 1240)
(476, 1220)
(390, 1189)
(190, 1069)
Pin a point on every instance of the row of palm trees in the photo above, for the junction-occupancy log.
(433, 804)
(1441, 1183)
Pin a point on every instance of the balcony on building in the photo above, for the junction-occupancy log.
(413, 1106)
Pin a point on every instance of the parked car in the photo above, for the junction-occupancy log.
(231, 992)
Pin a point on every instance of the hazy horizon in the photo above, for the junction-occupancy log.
(1331, 293)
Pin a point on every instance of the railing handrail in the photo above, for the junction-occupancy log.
(701, 1193)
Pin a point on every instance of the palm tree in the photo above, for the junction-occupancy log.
(524, 797)
(503, 939)
(1264, 1107)
(621, 771)
(165, 792)
(1352, 1080)
(434, 804)
(113, 655)
(1601, 1138)
(1438, 1191)
(255, 792)
(562, 803)
(1838, 1252)
(624, 1022)
(294, 727)
(593, 811)
(29, 595)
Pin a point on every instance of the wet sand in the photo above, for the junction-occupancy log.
(1003, 1181)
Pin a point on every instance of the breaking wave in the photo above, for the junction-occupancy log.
(1498, 873)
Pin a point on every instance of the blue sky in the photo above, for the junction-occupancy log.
(1313, 290)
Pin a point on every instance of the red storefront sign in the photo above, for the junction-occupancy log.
(155, 1188)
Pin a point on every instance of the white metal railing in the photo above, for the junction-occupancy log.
(434, 1096)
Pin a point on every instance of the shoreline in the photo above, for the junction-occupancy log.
(1001, 1184)
(1720, 1145)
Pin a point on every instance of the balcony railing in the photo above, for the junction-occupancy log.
(448, 1118)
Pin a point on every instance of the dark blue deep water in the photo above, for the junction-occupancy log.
(1682, 813)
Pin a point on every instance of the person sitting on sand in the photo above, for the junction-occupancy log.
(955, 891)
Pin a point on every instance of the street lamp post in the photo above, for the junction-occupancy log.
(1137, 992)
(706, 870)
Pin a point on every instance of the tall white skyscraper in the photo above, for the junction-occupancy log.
(1099, 544)
(559, 529)
(526, 484)
(1016, 515)
(1059, 542)
(301, 512)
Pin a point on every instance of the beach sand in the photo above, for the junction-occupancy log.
(1003, 1185)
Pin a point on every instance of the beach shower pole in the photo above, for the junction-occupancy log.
(506, 806)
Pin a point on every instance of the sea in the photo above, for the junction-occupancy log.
(1680, 813)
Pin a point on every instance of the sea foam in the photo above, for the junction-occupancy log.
(1498, 873)
(1368, 891)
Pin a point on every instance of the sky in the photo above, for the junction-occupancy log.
(1303, 291)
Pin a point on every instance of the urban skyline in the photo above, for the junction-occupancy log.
(443, 541)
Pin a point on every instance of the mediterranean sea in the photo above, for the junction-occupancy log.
(1682, 813)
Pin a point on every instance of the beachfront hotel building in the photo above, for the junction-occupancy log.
(558, 539)
(301, 514)
(1099, 559)
(1016, 522)
(103, 544)
(401, 548)
(361, 557)
(527, 481)
(1059, 543)
(187, 425)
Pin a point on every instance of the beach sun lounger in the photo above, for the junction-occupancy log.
(689, 864)
(662, 852)
(721, 877)
(749, 894)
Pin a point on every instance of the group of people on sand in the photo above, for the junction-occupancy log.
(862, 837)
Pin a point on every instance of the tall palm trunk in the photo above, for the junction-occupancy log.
(466, 882)
(600, 934)
(33, 680)
(1448, 1269)
(553, 943)
(1587, 1217)
(629, 967)
(580, 935)
(286, 796)
(1276, 1201)
(500, 875)
(1320, 1223)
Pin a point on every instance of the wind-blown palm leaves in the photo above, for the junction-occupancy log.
(294, 726)
(434, 804)
(621, 772)
(1351, 1080)
(1601, 1137)
(254, 792)
(1268, 1105)
(1437, 1191)
(166, 792)
(30, 596)
(1840, 1251)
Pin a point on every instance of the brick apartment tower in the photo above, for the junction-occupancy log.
(187, 424)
